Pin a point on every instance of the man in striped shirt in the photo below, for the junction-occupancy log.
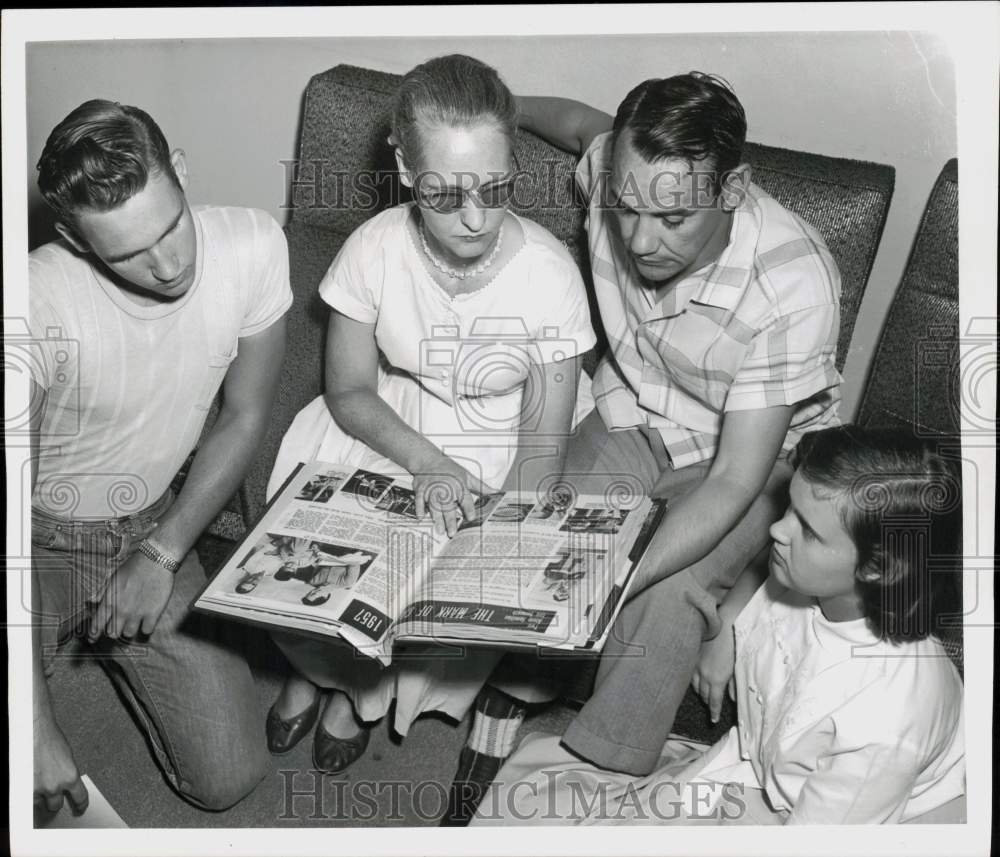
(721, 312)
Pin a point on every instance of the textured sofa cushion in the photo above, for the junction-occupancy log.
(913, 380)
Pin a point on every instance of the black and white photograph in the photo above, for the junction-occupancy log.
(269, 556)
(314, 568)
(399, 501)
(482, 507)
(321, 488)
(368, 487)
(511, 513)
(552, 511)
(750, 253)
(602, 520)
(324, 567)
(566, 577)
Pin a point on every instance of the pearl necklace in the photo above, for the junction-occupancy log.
(465, 273)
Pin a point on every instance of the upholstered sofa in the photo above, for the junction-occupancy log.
(346, 173)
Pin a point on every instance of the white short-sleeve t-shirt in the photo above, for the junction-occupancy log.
(128, 387)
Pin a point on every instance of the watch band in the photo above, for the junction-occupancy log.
(149, 549)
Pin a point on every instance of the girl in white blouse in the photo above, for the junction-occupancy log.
(850, 711)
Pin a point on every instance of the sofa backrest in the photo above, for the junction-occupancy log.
(913, 380)
(914, 383)
(347, 173)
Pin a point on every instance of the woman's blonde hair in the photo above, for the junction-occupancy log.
(450, 91)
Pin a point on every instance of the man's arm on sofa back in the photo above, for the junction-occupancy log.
(570, 125)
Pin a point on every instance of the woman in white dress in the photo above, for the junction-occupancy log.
(453, 348)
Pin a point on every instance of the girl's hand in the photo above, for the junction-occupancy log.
(446, 489)
(715, 669)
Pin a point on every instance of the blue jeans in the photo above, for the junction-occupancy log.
(192, 693)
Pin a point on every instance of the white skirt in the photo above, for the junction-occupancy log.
(457, 431)
(424, 678)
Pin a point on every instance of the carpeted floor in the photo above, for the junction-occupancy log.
(399, 782)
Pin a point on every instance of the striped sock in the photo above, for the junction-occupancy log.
(494, 730)
(495, 725)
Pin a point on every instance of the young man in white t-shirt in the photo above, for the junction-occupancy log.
(139, 315)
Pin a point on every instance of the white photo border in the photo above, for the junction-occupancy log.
(970, 29)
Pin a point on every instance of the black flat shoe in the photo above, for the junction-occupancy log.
(283, 734)
(332, 754)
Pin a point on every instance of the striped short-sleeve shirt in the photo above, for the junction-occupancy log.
(757, 328)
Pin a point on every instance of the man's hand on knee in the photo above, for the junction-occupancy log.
(133, 601)
(56, 773)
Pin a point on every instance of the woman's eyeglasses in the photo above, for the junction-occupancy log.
(445, 200)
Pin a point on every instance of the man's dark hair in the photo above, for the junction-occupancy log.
(694, 117)
(99, 157)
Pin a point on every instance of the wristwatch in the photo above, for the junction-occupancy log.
(149, 549)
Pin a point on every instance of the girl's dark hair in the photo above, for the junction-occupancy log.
(456, 91)
(900, 502)
(99, 157)
(692, 117)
